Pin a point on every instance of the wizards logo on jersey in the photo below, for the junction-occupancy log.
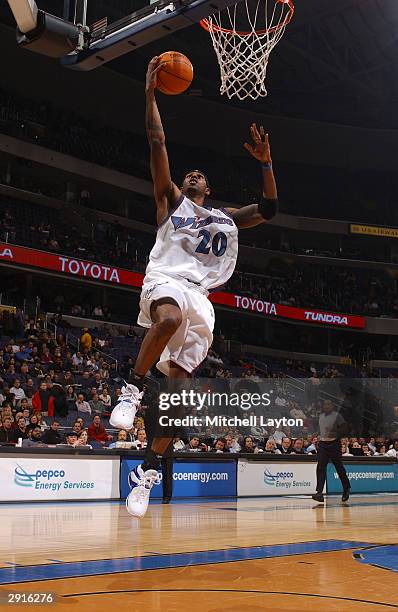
(197, 222)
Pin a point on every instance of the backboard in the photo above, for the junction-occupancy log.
(117, 28)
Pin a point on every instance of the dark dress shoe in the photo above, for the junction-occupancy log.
(318, 497)
(346, 495)
(166, 500)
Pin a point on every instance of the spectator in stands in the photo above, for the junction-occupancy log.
(60, 406)
(97, 382)
(85, 380)
(7, 431)
(356, 448)
(20, 429)
(24, 374)
(131, 332)
(178, 444)
(52, 435)
(14, 345)
(104, 371)
(43, 401)
(82, 439)
(285, 447)
(46, 357)
(121, 438)
(96, 431)
(194, 445)
(35, 353)
(34, 438)
(78, 427)
(372, 444)
(312, 448)
(41, 422)
(141, 442)
(381, 450)
(278, 436)
(248, 445)
(37, 370)
(6, 411)
(82, 406)
(270, 447)
(296, 412)
(26, 415)
(281, 401)
(32, 423)
(232, 444)
(115, 398)
(105, 398)
(68, 379)
(213, 359)
(98, 312)
(71, 438)
(24, 354)
(10, 374)
(30, 389)
(25, 405)
(77, 360)
(86, 340)
(97, 407)
(297, 447)
(31, 331)
(6, 394)
(7, 354)
(76, 310)
(344, 450)
(220, 446)
(71, 398)
(366, 450)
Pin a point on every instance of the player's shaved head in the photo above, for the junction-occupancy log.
(199, 172)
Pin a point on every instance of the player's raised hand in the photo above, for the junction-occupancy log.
(260, 148)
(151, 75)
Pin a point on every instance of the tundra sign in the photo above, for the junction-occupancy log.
(287, 312)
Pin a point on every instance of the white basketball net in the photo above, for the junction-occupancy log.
(243, 37)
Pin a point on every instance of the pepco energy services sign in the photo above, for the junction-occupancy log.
(22, 256)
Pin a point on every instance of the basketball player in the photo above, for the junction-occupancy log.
(195, 251)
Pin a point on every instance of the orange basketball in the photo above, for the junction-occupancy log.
(175, 74)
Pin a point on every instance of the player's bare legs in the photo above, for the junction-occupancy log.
(167, 318)
(160, 445)
(143, 477)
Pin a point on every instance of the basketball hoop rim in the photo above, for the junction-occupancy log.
(210, 27)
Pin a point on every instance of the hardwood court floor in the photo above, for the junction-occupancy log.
(228, 555)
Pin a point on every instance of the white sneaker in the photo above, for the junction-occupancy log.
(141, 482)
(124, 412)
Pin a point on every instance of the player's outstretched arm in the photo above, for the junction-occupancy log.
(255, 214)
(166, 192)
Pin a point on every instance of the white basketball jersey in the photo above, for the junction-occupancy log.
(195, 243)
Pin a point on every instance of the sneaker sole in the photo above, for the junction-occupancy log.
(133, 513)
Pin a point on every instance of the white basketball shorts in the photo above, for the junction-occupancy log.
(189, 346)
